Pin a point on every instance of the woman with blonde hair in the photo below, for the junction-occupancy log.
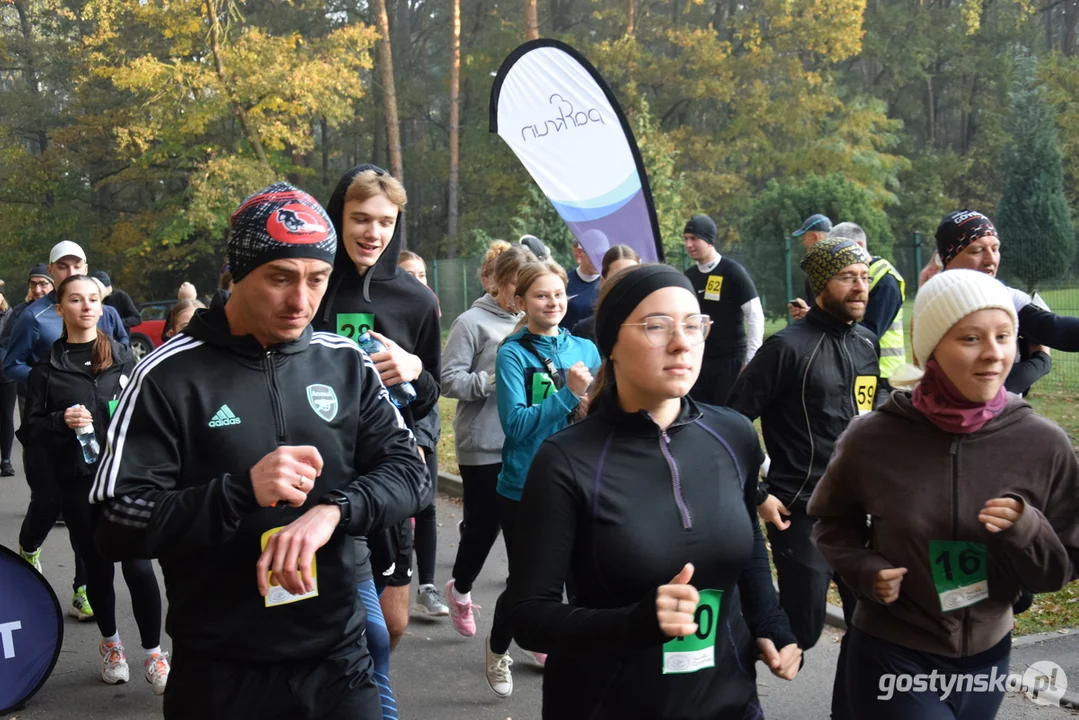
(542, 374)
(468, 375)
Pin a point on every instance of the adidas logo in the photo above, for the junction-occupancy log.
(224, 417)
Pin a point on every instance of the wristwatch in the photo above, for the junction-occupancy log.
(338, 498)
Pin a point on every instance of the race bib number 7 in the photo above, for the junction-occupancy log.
(352, 325)
(865, 389)
(695, 652)
(542, 387)
(960, 573)
(279, 595)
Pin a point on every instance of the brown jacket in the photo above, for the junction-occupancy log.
(918, 484)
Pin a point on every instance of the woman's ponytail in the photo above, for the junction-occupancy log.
(102, 355)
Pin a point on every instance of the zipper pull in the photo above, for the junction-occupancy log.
(955, 446)
(666, 437)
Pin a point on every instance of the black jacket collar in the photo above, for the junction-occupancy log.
(212, 327)
(120, 355)
(641, 422)
(828, 322)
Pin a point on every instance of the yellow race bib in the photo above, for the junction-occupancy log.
(865, 389)
(279, 595)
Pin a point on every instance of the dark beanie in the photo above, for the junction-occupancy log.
(624, 297)
(103, 277)
(827, 257)
(703, 227)
(959, 229)
(40, 270)
(279, 222)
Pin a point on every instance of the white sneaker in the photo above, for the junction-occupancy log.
(499, 676)
(429, 602)
(113, 663)
(157, 671)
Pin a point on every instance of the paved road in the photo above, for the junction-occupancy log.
(436, 673)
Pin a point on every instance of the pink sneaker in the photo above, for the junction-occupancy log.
(461, 613)
(540, 658)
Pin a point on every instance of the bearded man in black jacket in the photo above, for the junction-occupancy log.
(246, 454)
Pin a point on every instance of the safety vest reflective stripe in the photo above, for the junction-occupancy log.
(892, 350)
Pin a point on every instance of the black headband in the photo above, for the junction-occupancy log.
(623, 298)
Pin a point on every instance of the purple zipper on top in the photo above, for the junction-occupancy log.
(687, 522)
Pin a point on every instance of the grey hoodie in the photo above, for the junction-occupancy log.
(468, 368)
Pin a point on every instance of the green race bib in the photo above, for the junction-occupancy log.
(697, 651)
(352, 325)
(542, 387)
(112, 407)
(960, 573)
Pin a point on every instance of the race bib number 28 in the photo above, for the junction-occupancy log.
(352, 325)
(695, 652)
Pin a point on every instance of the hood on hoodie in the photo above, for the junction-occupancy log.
(385, 268)
(490, 304)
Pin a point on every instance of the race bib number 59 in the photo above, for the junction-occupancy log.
(695, 652)
(865, 389)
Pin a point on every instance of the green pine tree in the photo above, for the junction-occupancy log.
(1033, 219)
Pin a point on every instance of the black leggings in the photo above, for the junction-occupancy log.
(426, 535)
(7, 418)
(502, 628)
(138, 574)
(44, 508)
(881, 677)
(481, 523)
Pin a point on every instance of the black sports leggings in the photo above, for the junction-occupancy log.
(138, 574)
(481, 523)
(7, 418)
(426, 534)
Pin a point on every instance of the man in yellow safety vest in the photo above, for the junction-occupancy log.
(884, 311)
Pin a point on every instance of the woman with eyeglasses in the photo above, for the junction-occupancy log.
(647, 508)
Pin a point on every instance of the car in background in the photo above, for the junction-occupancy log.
(147, 335)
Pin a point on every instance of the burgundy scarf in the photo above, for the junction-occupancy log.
(941, 402)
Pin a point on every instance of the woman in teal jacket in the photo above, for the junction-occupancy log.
(541, 376)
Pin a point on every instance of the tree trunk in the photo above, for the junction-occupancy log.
(213, 9)
(930, 114)
(531, 20)
(30, 67)
(324, 132)
(389, 96)
(631, 18)
(455, 121)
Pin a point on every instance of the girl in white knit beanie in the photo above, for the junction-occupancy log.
(973, 499)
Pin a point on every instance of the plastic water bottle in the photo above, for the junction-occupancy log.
(88, 440)
(401, 394)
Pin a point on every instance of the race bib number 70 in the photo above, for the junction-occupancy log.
(695, 652)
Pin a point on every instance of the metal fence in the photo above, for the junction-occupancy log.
(457, 284)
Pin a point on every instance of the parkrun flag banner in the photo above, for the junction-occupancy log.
(31, 631)
(558, 115)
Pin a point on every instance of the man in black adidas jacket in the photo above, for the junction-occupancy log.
(245, 454)
(806, 383)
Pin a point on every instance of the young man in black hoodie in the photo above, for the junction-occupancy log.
(246, 454)
(369, 292)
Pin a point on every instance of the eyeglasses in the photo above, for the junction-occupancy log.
(659, 329)
(850, 278)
